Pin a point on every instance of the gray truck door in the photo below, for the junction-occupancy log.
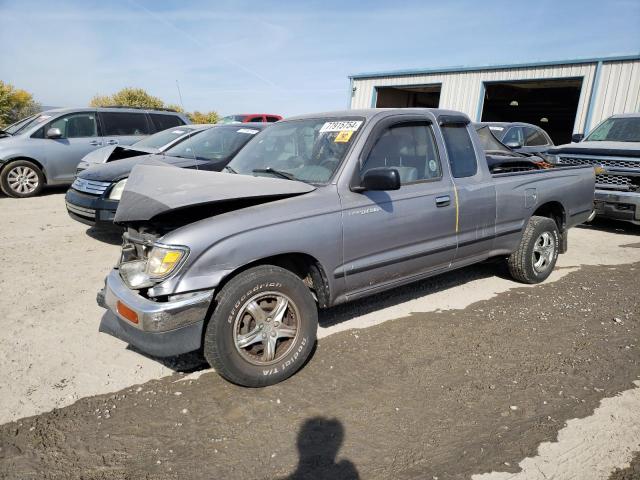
(475, 193)
(392, 235)
(79, 137)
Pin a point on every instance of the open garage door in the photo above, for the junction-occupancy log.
(550, 104)
(427, 96)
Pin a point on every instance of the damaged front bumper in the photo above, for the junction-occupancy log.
(160, 329)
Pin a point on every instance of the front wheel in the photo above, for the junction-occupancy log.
(537, 253)
(263, 327)
(21, 179)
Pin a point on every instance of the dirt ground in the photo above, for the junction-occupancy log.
(438, 395)
(52, 268)
(460, 375)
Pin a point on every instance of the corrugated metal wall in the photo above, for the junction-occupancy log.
(618, 90)
(618, 87)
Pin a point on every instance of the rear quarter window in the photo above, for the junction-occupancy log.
(124, 123)
(462, 156)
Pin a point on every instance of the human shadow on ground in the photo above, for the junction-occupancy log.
(319, 441)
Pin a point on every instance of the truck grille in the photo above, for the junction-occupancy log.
(90, 186)
(604, 181)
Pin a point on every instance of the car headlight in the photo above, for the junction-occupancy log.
(116, 191)
(164, 260)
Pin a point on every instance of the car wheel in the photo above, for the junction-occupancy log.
(21, 179)
(537, 253)
(263, 327)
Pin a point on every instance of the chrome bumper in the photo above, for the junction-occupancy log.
(618, 205)
(153, 316)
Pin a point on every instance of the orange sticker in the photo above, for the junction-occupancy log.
(343, 136)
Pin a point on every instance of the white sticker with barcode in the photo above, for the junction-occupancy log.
(248, 130)
(345, 126)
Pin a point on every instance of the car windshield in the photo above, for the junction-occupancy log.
(232, 119)
(623, 129)
(307, 150)
(21, 125)
(214, 144)
(489, 141)
(163, 138)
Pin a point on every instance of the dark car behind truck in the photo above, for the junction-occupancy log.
(613, 145)
(318, 210)
(95, 193)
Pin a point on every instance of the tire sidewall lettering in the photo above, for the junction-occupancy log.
(249, 293)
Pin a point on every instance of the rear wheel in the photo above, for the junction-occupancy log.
(537, 253)
(21, 179)
(263, 327)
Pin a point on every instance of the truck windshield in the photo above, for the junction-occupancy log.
(308, 150)
(623, 129)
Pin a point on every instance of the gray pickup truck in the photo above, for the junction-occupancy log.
(319, 210)
(614, 145)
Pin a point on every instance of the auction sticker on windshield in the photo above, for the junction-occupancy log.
(343, 136)
(248, 130)
(349, 126)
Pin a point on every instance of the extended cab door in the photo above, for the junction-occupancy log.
(475, 190)
(391, 236)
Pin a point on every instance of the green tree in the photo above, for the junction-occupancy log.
(127, 97)
(138, 97)
(15, 104)
(204, 117)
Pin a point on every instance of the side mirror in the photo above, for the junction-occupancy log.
(577, 137)
(383, 178)
(514, 144)
(54, 133)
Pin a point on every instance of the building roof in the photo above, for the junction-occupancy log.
(400, 73)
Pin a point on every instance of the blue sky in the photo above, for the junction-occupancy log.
(283, 56)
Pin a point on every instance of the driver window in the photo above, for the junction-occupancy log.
(411, 149)
(78, 125)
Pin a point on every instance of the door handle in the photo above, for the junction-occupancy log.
(443, 201)
(95, 142)
(112, 142)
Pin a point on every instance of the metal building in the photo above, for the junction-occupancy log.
(563, 97)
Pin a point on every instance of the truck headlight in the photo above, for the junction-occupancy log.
(164, 260)
(116, 191)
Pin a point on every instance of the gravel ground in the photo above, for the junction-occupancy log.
(475, 372)
(54, 355)
(442, 394)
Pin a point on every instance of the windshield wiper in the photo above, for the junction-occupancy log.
(280, 173)
(229, 169)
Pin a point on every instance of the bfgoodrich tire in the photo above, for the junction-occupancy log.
(537, 253)
(21, 179)
(263, 327)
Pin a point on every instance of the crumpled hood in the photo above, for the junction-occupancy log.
(622, 149)
(155, 188)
